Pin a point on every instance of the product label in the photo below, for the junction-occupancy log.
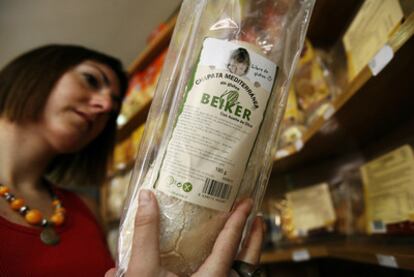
(301, 255)
(312, 208)
(218, 125)
(389, 191)
(369, 31)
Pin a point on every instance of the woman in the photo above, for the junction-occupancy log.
(58, 108)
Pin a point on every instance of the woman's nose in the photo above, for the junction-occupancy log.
(102, 102)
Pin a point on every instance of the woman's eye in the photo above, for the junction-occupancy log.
(92, 81)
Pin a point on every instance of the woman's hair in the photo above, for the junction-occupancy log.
(241, 56)
(25, 85)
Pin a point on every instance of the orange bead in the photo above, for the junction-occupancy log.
(34, 217)
(57, 219)
(4, 190)
(56, 202)
(17, 203)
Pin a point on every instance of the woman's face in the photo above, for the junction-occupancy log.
(238, 68)
(79, 106)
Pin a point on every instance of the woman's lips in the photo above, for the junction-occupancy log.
(87, 118)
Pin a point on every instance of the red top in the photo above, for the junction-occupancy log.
(82, 249)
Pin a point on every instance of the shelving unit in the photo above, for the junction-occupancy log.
(363, 87)
(159, 43)
(348, 110)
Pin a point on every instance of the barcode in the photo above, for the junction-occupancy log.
(217, 189)
(378, 226)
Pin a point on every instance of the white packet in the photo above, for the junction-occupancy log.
(213, 125)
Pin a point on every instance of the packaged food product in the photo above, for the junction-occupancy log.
(293, 126)
(123, 154)
(314, 83)
(271, 213)
(351, 194)
(221, 95)
(389, 192)
(311, 210)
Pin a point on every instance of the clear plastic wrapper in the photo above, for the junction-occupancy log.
(214, 121)
(352, 188)
(293, 126)
(313, 83)
(116, 194)
(313, 213)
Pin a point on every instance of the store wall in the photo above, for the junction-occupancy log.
(118, 27)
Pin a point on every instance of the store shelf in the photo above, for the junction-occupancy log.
(385, 252)
(162, 41)
(315, 143)
(144, 59)
(136, 120)
(364, 110)
(296, 254)
(154, 48)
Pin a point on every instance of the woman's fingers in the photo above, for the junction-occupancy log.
(226, 245)
(145, 247)
(110, 273)
(250, 253)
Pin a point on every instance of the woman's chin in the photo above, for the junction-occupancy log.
(69, 143)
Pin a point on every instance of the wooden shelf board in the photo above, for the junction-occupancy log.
(158, 44)
(286, 255)
(143, 60)
(136, 120)
(364, 251)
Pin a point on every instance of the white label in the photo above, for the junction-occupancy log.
(282, 153)
(386, 260)
(298, 145)
(378, 227)
(381, 59)
(300, 255)
(217, 126)
(329, 112)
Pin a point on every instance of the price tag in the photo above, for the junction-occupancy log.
(378, 227)
(386, 260)
(300, 255)
(381, 59)
(282, 153)
(298, 145)
(329, 112)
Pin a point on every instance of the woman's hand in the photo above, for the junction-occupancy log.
(146, 240)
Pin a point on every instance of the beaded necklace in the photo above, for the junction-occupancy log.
(34, 217)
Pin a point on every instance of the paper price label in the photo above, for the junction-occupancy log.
(329, 112)
(298, 145)
(386, 260)
(282, 153)
(381, 59)
(300, 255)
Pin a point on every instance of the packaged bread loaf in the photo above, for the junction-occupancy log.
(214, 121)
